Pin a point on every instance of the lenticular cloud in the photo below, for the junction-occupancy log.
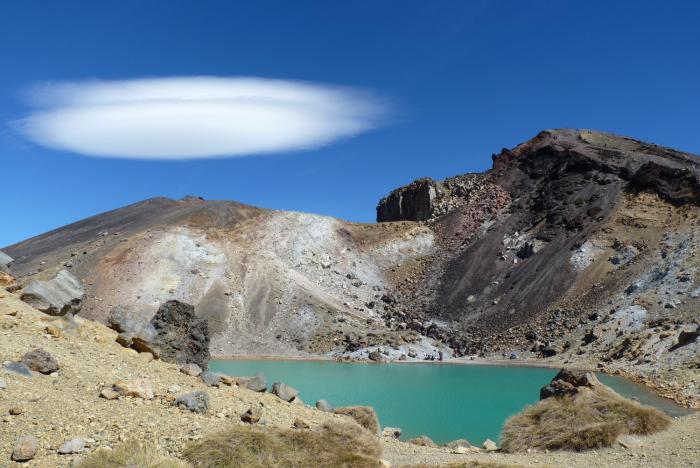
(185, 118)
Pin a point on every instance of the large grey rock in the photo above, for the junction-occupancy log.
(197, 402)
(257, 383)
(179, 335)
(41, 361)
(210, 378)
(60, 295)
(284, 391)
(25, 448)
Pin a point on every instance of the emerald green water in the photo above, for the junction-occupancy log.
(442, 401)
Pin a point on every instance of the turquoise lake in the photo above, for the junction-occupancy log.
(443, 401)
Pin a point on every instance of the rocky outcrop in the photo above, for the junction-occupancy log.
(60, 295)
(174, 334)
(568, 382)
(426, 199)
(180, 335)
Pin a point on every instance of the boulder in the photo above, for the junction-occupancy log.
(257, 383)
(423, 441)
(76, 445)
(252, 416)
(25, 448)
(137, 388)
(127, 319)
(60, 295)
(284, 391)
(210, 378)
(40, 361)
(180, 335)
(323, 405)
(197, 402)
(364, 415)
(18, 368)
(191, 369)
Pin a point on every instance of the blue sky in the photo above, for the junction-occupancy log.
(463, 79)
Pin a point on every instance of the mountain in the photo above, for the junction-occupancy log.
(577, 246)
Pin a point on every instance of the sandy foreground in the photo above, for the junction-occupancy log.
(60, 407)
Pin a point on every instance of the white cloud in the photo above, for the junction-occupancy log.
(185, 118)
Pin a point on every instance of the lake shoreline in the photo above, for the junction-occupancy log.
(659, 388)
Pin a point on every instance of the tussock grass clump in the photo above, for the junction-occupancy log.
(128, 456)
(592, 418)
(337, 444)
(364, 415)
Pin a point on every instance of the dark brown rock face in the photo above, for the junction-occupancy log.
(504, 262)
(180, 335)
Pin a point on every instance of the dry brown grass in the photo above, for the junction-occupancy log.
(128, 456)
(364, 415)
(591, 419)
(471, 464)
(342, 444)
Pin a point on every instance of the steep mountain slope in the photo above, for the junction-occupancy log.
(577, 246)
(268, 282)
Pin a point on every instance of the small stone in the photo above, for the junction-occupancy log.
(3, 384)
(323, 405)
(72, 446)
(191, 369)
(53, 330)
(174, 389)
(41, 361)
(16, 410)
(109, 394)
(252, 416)
(138, 388)
(300, 424)
(210, 378)
(25, 448)
(197, 402)
(226, 379)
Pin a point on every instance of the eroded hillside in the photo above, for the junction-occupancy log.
(577, 246)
